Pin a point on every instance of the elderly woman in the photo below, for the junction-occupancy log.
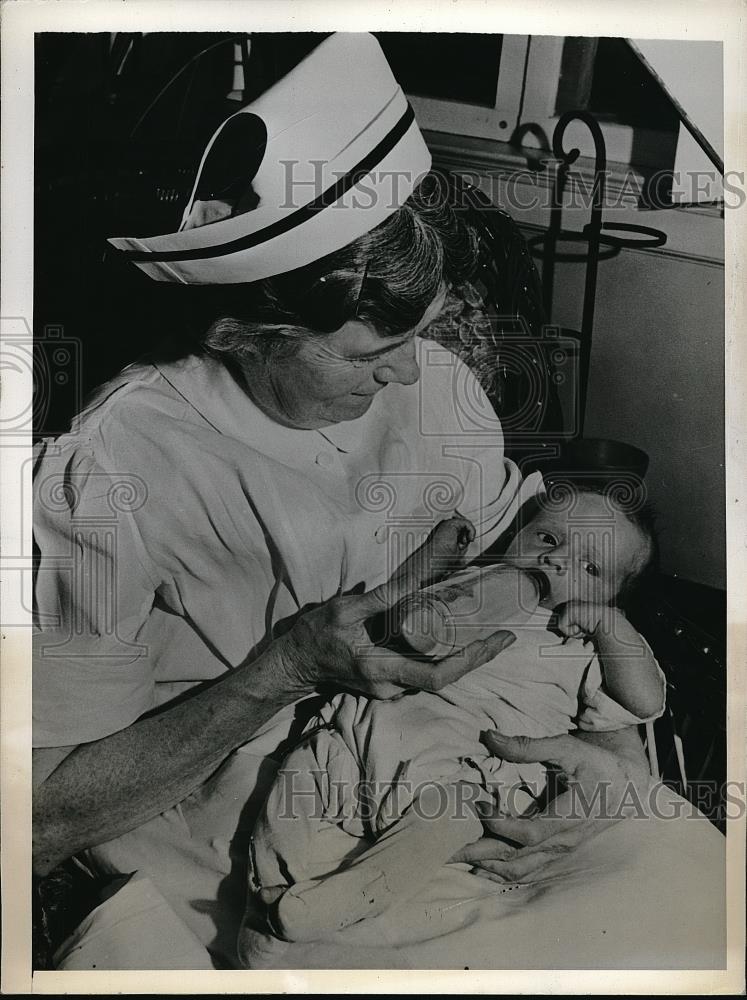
(215, 532)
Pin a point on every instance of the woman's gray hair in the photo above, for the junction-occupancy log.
(245, 339)
(387, 279)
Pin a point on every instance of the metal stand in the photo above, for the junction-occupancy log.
(598, 236)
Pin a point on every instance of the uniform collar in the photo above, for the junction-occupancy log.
(211, 389)
(347, 436)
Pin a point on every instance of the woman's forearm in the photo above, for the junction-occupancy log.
(105, 788)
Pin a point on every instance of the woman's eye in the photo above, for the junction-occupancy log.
(363, 362)
(546, 538)
(592, 569)
(377, 358)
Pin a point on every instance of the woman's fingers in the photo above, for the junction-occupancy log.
(572, 758)
(483, 850)
(381, 672)
(522, 848)
(481, 651)
(522, 868)
(565, 830)
(564, 752)
(431, 676)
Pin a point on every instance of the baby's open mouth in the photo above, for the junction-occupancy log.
(541, 583)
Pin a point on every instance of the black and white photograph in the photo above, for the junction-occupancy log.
(372, 542)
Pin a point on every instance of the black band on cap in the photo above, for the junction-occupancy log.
(294, 219)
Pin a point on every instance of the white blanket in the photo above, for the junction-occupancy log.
(646, 893)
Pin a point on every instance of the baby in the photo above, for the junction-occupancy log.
(406, 775)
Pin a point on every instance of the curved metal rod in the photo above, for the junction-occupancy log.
(600, 150)
(652, 238)
(593, 230)
(607, 247)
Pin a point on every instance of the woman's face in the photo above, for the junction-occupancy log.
(333, 378)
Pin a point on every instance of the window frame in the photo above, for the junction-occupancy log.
(542, 81)
(478, 121)
(526, 94)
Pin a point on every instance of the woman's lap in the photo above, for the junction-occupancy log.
(645, 893)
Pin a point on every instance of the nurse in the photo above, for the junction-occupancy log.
(215, 531)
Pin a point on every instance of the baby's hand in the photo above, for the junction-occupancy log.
(453, 535)
(449, 542)
(577, 618)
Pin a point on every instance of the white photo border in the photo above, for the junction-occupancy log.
(717, 20)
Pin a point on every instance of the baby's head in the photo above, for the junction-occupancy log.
(584, 545)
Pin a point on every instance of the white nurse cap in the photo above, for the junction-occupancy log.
(330, 151)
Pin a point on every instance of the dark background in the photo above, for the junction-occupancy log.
(118, 137)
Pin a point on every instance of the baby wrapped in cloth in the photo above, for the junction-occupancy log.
(406, 774)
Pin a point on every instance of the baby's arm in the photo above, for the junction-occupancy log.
(631, 675)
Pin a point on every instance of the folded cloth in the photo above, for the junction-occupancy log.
(648, 892)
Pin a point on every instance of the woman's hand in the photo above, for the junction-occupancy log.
(597, 777)
(331, 643)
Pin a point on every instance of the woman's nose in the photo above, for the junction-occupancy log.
(400, 367)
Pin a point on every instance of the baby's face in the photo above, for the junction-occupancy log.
(581, 554)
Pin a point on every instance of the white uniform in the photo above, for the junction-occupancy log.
(179, 524)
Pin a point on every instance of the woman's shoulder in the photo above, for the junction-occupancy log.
(137, 397)
(149, 386)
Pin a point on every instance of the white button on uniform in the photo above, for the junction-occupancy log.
(325, 460)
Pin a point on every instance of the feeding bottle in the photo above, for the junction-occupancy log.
(470, 605)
